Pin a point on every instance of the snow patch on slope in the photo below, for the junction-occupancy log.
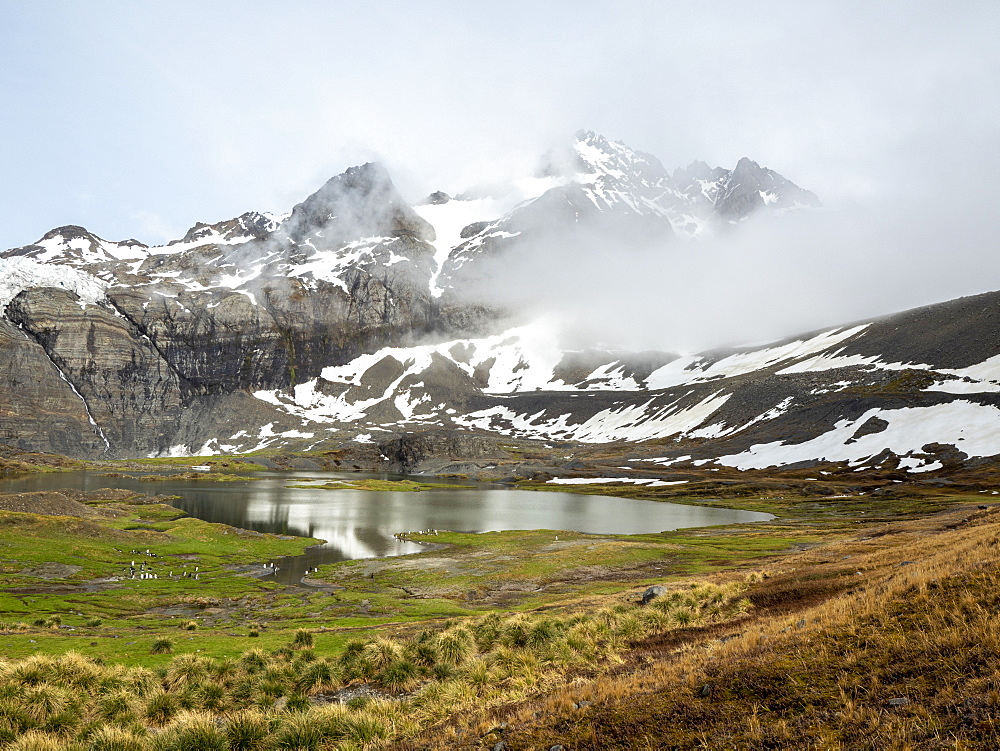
(19, 273)
(523, 359)
(971, 427)
(695, 368)
(965, 386)
(979, 378)
(329, 265)
(629, 422)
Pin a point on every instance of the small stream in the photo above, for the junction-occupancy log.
(362, 523)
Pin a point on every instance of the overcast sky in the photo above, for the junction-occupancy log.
(138, 119)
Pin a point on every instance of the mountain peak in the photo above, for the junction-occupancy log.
(746, 163)
(67, 232)
(360, 202)
(749, 187)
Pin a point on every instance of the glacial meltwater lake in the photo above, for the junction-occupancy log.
(361, 523)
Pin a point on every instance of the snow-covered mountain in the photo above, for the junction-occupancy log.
(357, 221)
(915, 390)
(353, 319)
(599, 191)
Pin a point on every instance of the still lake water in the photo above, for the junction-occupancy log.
(361, 523)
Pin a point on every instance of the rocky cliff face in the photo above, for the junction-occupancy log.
(253, 331)
(132, 336)
(129, 391)
(39, 409)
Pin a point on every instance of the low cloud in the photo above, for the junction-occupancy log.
(769, 278)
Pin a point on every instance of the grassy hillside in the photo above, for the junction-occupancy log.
(889, 639)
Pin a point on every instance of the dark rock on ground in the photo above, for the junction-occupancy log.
(652, 593)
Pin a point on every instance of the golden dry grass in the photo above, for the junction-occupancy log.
(888, 640)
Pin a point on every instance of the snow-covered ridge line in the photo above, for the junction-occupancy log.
(86, 249)
(78, 246)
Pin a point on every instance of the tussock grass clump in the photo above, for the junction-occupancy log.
(191, 731)
(303, 639)
(399, 676)
(304, 730)
(79, 672)
(253, 661)
(42, 702)
(37, 740)
(703, 603)
(224, 668)
(139, 681)
(297, 703)
(163, 646)
(318, 677)
(247, 730)
(456, 645)
(160, 708)
(211, 696)
(423, 650)
(113, 738)
(186, 670)
(382, 652)
(118, 707)
(31, 671)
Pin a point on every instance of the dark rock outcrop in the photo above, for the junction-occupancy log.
(407, 452)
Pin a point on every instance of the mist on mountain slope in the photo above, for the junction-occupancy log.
(769, 278)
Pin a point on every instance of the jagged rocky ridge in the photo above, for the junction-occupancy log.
(597, 191)
(299, 331)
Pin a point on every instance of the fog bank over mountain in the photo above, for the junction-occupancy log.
(771, 278)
